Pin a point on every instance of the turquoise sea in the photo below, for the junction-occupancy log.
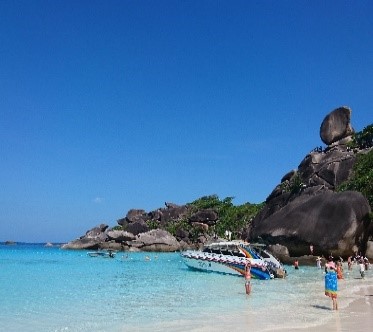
(50, 289)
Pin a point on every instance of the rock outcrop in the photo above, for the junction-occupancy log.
(83, 243)
(91, 240)
(304, 208)
(331, 222)
(209, 217)
(336, 126)
(156, 240)
(120, 236)
(101, 237)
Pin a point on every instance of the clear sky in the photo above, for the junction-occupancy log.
(111, 105)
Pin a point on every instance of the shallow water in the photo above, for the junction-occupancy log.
(49, 289)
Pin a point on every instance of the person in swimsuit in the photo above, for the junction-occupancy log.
(339, 270)
(349, 263)
(248, 278)
(362, 268)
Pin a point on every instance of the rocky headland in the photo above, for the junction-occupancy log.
(304, 209)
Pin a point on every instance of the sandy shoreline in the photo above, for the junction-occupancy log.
(357, 316)
(314, 314)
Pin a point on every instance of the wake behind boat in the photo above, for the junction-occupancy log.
(230, 257)
(102, 253)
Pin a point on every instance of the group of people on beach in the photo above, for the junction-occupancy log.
(334, 272)
(360, 260)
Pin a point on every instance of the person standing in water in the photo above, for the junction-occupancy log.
(318, 262)
(362, 268)
(331, 282)
(339, 270)
(349, 263)
(248, 278)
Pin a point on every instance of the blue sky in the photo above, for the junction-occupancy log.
(111, 105)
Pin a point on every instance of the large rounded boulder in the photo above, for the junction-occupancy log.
(155, 240)
(91, 240)
(332, 222)
(336, 126)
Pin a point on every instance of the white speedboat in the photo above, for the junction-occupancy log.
(272, 262)
(102, 253)
(231, 257)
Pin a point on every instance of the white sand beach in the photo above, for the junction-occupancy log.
(357, 316)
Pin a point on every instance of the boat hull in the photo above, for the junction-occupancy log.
(101, 254)
(230, 257)
(225, 265)
(207, 266)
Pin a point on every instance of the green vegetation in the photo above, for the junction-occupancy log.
(232, 218)
(295, 185)
(362, 177)
(183, 225)
(363, 139)
(152, 224)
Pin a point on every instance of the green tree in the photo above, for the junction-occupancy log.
(231, 217)
(362, 177)
(294, 185)
(363, 139)
(207, 202)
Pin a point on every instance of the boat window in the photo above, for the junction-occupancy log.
(264, 254)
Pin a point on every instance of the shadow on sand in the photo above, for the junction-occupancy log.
(321, 307)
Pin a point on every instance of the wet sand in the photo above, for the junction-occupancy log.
(357, 316)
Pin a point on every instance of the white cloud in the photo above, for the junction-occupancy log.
(98, 200)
